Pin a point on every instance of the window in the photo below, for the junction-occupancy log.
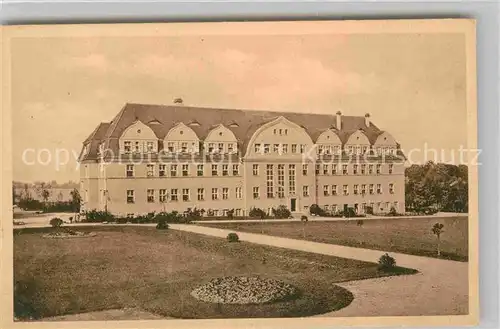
(344, 170)
(170, 147)
(161, 170)
(211, 147)
(236, 170)
(220, 148)
(317, 169)
(305, 190)
(336, 149)
(214, 170)
(185, 194)
(355, 169)
(127, 146)
(302, 148)
(284, 148)
(151, 196)
(270, 181)
(239, 193)
(294, 148)
(225, 193)
(291, 179)
(276, 148)
(150, 146)
(305, 168)
(391, 188)
(345, 190)
(137, 148)
(163, 195)
(334, 208)
(355, 189)
(130, 196)
(286, 131)
(225, 170)
(230, 148)
(391, 168)
(201, 194)
(150, 170)
(370, 169)
(266, 148)
(387, 205)
(184, 147)
(321, 149)
(326, 190)
(363, 169)
(371, 189)
(334, 190)
(363, 189)
(365, 149)
(173, 170)
(256, 193)
(396, 205)
(173, 195)
(257, 148)
(281, 181)
(255, 170)
(325, 169)
(334, 169)
(237, 212)
(379, 189)
(130, 170)
(199, 170)
(215, 193)
(379, 169)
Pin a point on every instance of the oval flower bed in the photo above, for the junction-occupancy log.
(244, 290)
(66, 234)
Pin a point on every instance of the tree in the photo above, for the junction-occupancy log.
(76, 200)
(437, 230)
(45, 194)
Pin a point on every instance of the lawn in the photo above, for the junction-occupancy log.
(152, 270)
(410, 236)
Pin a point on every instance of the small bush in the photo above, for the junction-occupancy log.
(162, 224)
(122, 220)
(281, 212)
(304, 218)
(316, 210)
(230, 214)
(96, 216)
(369, 210)
(56, 222)
(386, 263)
(232, 237)
(257, 213)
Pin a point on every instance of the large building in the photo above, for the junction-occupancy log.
(163, 158)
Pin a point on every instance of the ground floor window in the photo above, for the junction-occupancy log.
(163, 195)
(151, 195)
(130, 196)
(185, 194)
(173, 195)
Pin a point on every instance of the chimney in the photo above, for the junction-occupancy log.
(367, 119)
(178, 101)
(339, 120)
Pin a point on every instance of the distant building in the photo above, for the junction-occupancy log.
(155, 158)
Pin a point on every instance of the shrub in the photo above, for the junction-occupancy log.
(232, 237)
(56, 222)
(192, 214)
(386, 263)
(257, 213)
(392, 212)
(230, 214)
(316, 210)
(349, 212)
(162, 224)
(304, 218)
(122, 220)
(96, 216)
(369, 210)
(281, 212)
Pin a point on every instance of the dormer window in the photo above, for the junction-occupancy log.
(127, 146)
(233, 125)
(137, 147)
(170, 147)
(150, 146)
(194, 123)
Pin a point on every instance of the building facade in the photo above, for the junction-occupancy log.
(164, 158)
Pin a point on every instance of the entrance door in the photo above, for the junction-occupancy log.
(293, 205)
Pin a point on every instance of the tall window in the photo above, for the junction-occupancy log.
(284, 148)
(151, 195)
(371, 189)
(173, 195)
(225, 193)
(391, 168)
(239, 193)
(173, 170)
(257, 148)
(325, 169)
(215, 193)
(345, 190)
(355, 189)
(130, 196)
(185, 194)
(370, 169)
(150, 170)
(184, 147)
(221, 148)
(363, 169)
(302, 148)
(256, 192)
(379, 169)
(305, 191)
(211, 147)
(379, 189)
(363, 189)
(270, 181)
(334, 190)
(163, 195)
(281, 181)
(294, 148)
(316, 169)
(255, 169)
(150, 146)
(201, 194)
(326, 190)
(127, 146)
(236, 170)
(266, 148)
(130, 170)
(137, 147)
(161, 170)
(170, 147)
(185, 170)
(344, 169)
(214, 170)
(355, 169)
(199, 170)
(276, 148)
(305, 168)
(230, 148)
(291, 179)
(225, 170)
(391, 188)
(334, 169)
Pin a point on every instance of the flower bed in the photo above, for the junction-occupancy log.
(68, 234)
(244, 290)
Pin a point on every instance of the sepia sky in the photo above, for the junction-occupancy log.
(413, 85)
